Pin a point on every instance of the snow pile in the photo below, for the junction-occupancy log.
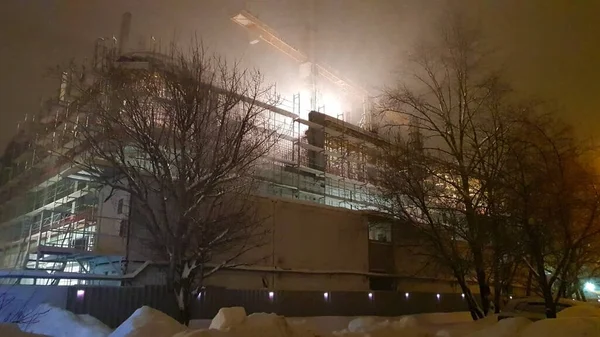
(406, 322)
(228, 317)
(438, 318)
(254, 325)
(563, 327)
(505, 328)
(406, 326)
(56, 322)
(267, 325)
(146, 321)
(13, 330)
(458, 325)
(361, 324)
(579, 311)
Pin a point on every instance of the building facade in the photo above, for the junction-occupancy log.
(58, 226)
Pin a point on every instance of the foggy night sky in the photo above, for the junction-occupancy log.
(551, 48)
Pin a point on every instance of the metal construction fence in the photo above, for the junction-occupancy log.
(112, 305)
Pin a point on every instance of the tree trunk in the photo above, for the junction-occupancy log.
(497, 290)
(562, 290)
(183, 294)
(546, 292)
(549, 301)
(582, 294)
(528, 287)
(474, 309)
(497, 299)
(484, 289)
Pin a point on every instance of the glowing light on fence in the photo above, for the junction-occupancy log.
(370, 296)
(406, 295)
(462, 295)
(325, 295)
(271, 295)
(80, 293)
(438, 296)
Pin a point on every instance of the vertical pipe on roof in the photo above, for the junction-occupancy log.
(124, 33)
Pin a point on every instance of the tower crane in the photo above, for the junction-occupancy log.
(265, 33)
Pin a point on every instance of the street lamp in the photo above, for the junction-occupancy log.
(589, 286)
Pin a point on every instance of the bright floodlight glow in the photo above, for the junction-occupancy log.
(462, 295)
(271, 295)
(80, 293)
(406, 295)
(325, 295)
(588, 286)
(370, 295)
(331, 105)
(438, 296)
(510, 297)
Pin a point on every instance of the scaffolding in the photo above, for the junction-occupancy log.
(48, 207)
(322, 159)
(49, 216)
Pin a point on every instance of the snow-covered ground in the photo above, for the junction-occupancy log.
(233, 322)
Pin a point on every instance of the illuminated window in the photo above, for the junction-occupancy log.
(380, 231)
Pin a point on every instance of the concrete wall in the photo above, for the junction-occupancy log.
(303, 238)
(310, 247)
(109, 221)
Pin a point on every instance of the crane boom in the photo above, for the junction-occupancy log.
(253, 24)
(267, 34)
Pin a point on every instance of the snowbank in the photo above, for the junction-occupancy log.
(147, 322)
(505, 328)
(370, 325)
(405, 323)
(256, 325)
(579, 311)
(563, 327)
(327, 324)
(387, 329)
(58, 322)
(267, 325)
(425, 325)
(443, 318)
(361, 324)
(227, 318)
(233, 322)
(460, 326)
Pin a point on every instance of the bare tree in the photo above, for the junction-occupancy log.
(553, 201)
(445, 186)
(182, 134)
(18, 310)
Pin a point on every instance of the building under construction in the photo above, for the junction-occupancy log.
(57, 226)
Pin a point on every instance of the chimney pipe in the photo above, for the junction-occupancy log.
(124, 33)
